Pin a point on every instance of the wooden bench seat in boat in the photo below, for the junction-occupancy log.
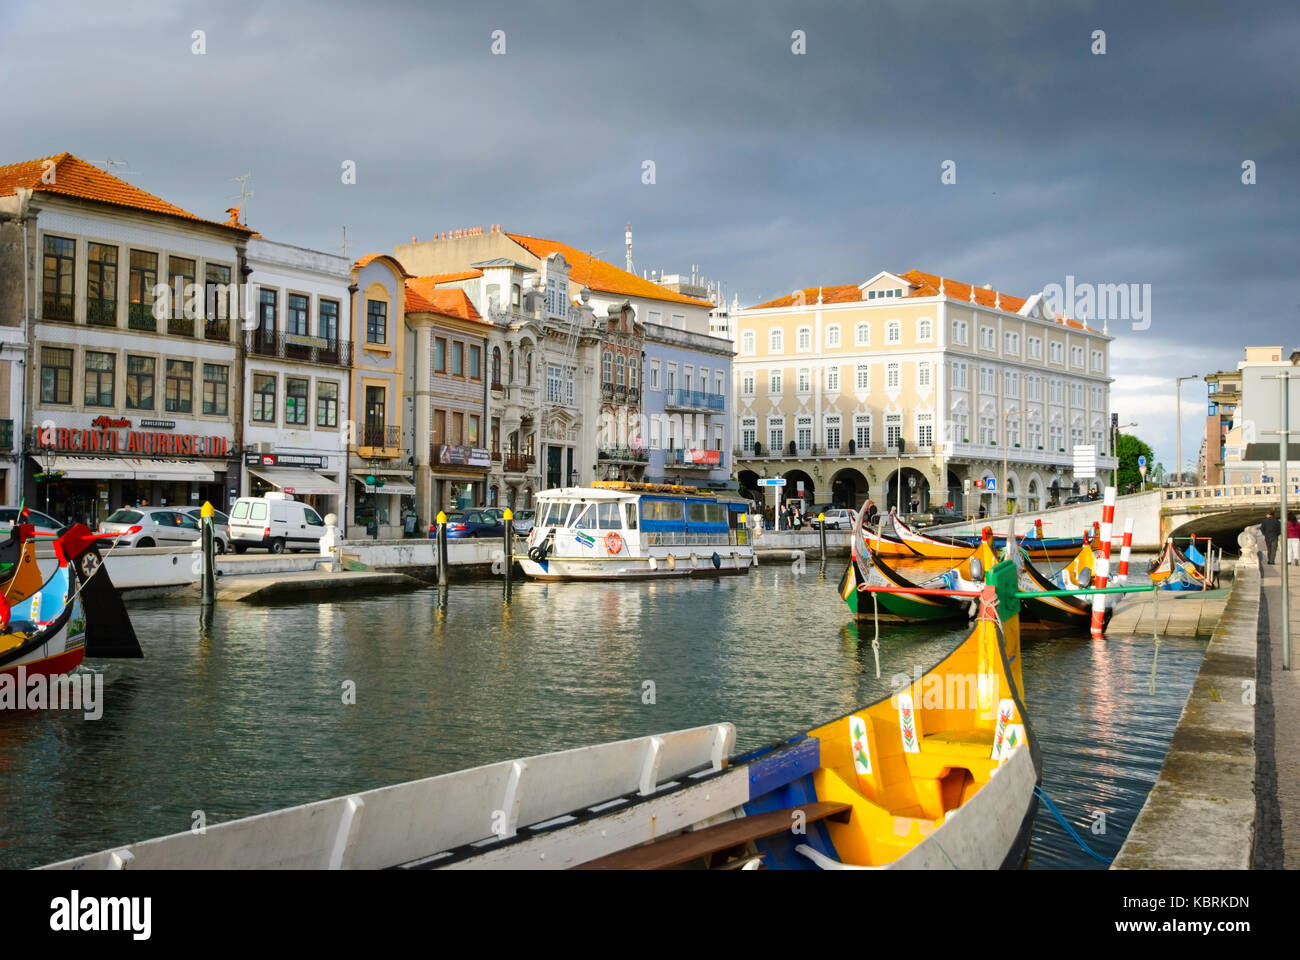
(695, 844)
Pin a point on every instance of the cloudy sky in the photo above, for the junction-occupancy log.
(772, 169)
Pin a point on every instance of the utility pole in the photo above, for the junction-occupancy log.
(1284, 439)
(1178, 416)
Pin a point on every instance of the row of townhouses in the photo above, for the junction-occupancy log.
(150, 354)
(147, 353)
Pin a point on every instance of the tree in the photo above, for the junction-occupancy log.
(1129, 449)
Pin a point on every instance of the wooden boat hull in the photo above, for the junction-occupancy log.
(1074, 613)
(880, 788)
(665, 566)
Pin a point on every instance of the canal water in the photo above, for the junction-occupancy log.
(249, 715)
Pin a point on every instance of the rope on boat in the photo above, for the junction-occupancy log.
(1042, 795)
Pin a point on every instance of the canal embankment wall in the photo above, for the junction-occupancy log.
(1201, 812)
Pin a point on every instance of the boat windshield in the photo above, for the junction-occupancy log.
(583, 517)
(607, 515)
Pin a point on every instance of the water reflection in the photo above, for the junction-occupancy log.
(246, 713)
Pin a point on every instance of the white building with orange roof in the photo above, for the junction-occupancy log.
(913, 382)
(563, 409)
(129, 395)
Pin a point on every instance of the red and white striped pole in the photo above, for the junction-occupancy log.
(1124, 550)
(1102, 574)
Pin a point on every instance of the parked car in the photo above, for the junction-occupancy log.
(220, 526)
(524, 522)
(930, 518)
(471, 525)
(151, 527)
(43, 522)
(277, 522)
(1079, 498)
(837, 518)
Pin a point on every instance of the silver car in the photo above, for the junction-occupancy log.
(220, 526)
(152, 527)
(524, 521)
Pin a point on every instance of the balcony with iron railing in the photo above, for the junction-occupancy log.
(519, 462)
(139, 316)
(101, 312)
(58, 306)
(695, 400)
(217, 329)
(181, 326)
(289, 346)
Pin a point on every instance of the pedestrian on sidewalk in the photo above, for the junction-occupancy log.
(1271, 527)
(1292, 539)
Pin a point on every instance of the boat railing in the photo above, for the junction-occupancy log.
(672, 539)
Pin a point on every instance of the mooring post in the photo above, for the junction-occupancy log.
(208, 585)
(442, 549)
(821, 528)
(509, 537)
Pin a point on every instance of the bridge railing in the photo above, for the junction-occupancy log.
(1225, 493)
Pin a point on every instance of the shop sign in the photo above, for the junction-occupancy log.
(302, 340)
(112, 423)
(136, 442)
(283, 460)
(453, 455)
(704, 456)
(157, 424)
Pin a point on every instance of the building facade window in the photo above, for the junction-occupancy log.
(266, 310)
(179, 397)
(1010, 383)
(748, 433)
(1011, 344)
(862, 334)
(327, 403)
(959, 333)
(988, 431)
(862, 377)
(328, 322)
(925, 429)
(457, 359)
(216, 389)
(959, 376)
(143, 278)
(805, 380)
(554, 385)
(607, 369)
(747, 342)
(652, 368)
(775, 341)
(894, 332)
(833, 379)
(923, 375)
(862, 432)
(924, 330)
(101, 373)
(776, 435)
(139, 382)
(439, 355)
(774, 383)
(1076, 357)
(1056, 352)
(264, 398)
(475, 362)
(376, 322)
(893, 429)
(833, 335)
(1098, 361)
(58, 293)
(803, 339)
(803, 432)
(101, 284)
(833, 433)
(893, 376)
(987, 338)
(297, 308)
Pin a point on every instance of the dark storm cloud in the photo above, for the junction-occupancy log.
(773, 171)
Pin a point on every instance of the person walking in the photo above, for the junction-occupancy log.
(872, 512)
(1292, 539)
(1271, 527)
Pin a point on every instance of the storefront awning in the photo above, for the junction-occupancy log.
(298, 481)
(92, 468)
(171, 470)
(395, 481)
(130, 468)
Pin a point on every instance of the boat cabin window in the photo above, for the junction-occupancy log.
(608, 516)
(662, 514)
(631, 515)
(701, 513)
(583, 517)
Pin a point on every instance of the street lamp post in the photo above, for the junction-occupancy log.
(1114, 447)
(1178, 417)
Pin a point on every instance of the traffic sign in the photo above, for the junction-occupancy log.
(990, 483)
(772, 482)
(1142, 460)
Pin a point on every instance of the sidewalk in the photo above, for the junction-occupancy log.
(1283, 688)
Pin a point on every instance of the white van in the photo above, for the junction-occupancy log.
(276, 521)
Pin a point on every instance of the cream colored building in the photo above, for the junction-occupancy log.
(980, 386)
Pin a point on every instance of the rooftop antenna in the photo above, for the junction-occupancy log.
(109, 163)
(627, 237)
(345, 241)
(244, 192)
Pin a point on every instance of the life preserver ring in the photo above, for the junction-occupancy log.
(613, 542)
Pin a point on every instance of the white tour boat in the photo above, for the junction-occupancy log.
(615, 530)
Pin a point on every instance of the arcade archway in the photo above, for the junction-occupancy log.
(849, 488)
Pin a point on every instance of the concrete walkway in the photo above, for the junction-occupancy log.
(1191, 613)
(1281, 688)
(290, 587)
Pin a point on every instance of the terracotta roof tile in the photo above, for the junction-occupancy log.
(922, 285)
(72, 177)
(370, 257)
(471, 274)
(599, 275)
(424, 296)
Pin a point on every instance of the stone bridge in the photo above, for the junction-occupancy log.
(1220, 512)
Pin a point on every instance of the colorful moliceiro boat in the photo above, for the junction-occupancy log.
(48, 628)
(1176, 569)
(615, 530)
(941, 775)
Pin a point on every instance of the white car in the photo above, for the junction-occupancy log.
(840, 519)
(43, 522)
(151, 527)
